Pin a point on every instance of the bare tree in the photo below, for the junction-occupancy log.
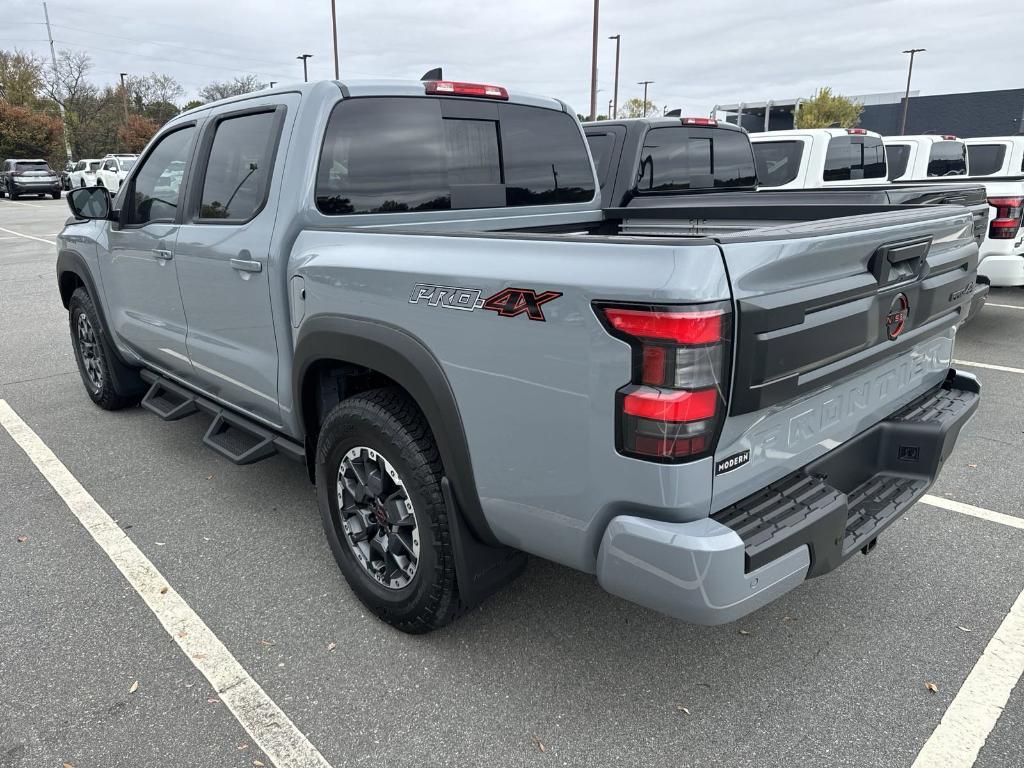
(236, 87)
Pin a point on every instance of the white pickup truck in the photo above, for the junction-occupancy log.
(816, 158)
(930, 156)
(998, 163)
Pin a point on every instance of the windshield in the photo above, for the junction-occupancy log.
(31, 165)
(127, 163)
(985, 159)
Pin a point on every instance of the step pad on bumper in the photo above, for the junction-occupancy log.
(839, 503)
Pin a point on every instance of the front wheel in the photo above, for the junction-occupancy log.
(55, 195)
(378, 479)
(92, 353)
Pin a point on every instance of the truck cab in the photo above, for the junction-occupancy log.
(911, 158)
(819, 158)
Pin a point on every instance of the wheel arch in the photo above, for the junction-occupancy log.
(382, 350)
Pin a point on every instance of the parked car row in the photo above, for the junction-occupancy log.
(28, 177)
(425, 295)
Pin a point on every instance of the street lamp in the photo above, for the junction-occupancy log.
(124, 96)
(305, 71)
(610, 110)
(645, 83)
(334, 30)
(906, 99)
(615, 92)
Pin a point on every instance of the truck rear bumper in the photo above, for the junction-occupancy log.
(1003, 270)
(719, 569)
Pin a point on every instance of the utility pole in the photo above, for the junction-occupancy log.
(56, 84)
(305, 71)
(615, 91)
(645, 83)
(906, 99)
(124, 96)
(610, 117)
(593, 66)
(334, 29)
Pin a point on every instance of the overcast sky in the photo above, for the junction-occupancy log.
(697, 54)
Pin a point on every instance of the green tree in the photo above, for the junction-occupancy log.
(21, 78)
(828, 110)
(637, 108)
(192, 104)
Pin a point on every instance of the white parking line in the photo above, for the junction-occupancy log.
(30, 205)
(973, 511)
(976, 708)
(1002, 306)
(29, 237)
(1006, 368)
(263, 720)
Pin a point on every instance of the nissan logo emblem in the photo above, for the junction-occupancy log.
(896, 319)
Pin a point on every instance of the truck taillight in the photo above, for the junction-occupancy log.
(857, 131)
(1006, 223)
(673, 407)
(452, 88)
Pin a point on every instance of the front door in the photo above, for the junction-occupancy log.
(137, 266)
(222, 255)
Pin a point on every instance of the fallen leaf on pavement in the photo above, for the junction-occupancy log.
(22, 539)
(163, 590)
(68, 765)
(539, 743)
(932, 687)
(257, 763)
(212, 700)
(964, 629)
(134, 688)
(973, 466)
(331, 646)
(243, 746)
(267, 642)
(744, 632)
(681, 708)
(198, 656)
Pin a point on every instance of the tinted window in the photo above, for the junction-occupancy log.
(676, 159)
(80, 165)
(854, 157)
(985, 159)
(601, 145)
(948, 158)
(545, 160)
(109, 165)
(95, 166)
(778, 162)
(897, 156)
(151, 197)
(30, 166)
(387, 155)
(238, 171)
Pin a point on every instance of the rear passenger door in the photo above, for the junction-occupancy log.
(224, 258)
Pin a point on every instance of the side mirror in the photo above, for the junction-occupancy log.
(90, 203)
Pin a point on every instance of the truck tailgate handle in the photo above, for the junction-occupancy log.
(246, 265)
(162, 254)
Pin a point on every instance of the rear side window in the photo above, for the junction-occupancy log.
(985, 159)
(778, 162)
(897, 156)
(601, 145)
(238, 170)
(395, 154)
(675, 159)
(947, 158)
(851, 158)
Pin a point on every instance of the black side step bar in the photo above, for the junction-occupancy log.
(238, 439)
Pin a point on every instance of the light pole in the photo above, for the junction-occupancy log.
(610, 117)
(124, 96)
(305, 71)
(615, 91)
(906, 99)
(334, 30)
(273, 83)
(593, 66)
(645, 83)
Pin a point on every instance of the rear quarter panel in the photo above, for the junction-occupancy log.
(536, 398)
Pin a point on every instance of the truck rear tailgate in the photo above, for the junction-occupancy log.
(842, 324)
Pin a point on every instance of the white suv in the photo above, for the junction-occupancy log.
(114, 170)
(84, 173)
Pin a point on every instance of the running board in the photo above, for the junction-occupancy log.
(235, 437)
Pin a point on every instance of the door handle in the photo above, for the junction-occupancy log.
(163, 255)
(246, 265)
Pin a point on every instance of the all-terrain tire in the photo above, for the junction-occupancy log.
(388, 423)
(94, 353)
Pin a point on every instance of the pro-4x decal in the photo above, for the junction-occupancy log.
(508, 302)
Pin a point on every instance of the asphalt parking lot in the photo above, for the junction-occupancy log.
(551, 671)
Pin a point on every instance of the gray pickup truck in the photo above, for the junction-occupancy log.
(413, 288)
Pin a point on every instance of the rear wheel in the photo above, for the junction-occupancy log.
(55, 195)
(11, 192)
(93, 353)
(378, 478)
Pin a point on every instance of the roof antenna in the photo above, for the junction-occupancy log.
(434, 74)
